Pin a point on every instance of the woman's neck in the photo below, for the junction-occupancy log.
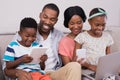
(72, 36)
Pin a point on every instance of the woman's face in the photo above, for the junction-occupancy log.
(75, 24)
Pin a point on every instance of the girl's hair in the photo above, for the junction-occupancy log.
(97, 12)
(71, 11)
(28, 22)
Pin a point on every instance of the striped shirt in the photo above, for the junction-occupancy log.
(15, 51)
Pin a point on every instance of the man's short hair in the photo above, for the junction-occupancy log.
(53, 7)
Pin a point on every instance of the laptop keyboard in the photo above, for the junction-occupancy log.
(92, 75)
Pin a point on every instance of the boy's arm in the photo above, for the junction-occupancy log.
(14, 64)
(43, 58)
(42, 65)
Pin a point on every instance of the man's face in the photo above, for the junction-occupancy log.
(48, 18)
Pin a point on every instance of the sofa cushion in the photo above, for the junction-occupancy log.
(4, 41)
(114, 31)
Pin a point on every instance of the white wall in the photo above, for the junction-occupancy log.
(12, 11)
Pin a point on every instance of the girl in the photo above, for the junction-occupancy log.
(96, 42)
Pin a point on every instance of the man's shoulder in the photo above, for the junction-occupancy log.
(57, 32)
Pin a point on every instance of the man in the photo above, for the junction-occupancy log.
(50, 37)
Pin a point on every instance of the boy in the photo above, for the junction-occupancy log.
(16, 55)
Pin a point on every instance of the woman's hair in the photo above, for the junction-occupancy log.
(71, 11)
(97, 12)
(28, 22)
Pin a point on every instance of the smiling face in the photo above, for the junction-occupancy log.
(97, 25)
(75, 24)
(48, 18)
(28, 36)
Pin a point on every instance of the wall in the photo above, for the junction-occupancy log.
(12, 11)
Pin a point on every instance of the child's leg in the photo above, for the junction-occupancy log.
(39, 76)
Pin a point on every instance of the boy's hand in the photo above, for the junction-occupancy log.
(43, 58)
(26, 58)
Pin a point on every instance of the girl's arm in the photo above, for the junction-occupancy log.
(108, 50)
(89, 66)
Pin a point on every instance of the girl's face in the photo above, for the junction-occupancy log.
(75, 24)
(97, 25)
(28, 36)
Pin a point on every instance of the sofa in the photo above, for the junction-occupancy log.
(7, 37)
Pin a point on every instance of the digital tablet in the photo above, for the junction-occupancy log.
(36, 53)
(81, 53)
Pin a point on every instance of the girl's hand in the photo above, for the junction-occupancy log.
(81, 61)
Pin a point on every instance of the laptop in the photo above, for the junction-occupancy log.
(107, 65)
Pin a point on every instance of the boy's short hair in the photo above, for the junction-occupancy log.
(28, 22)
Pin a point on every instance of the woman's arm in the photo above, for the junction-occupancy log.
(77, 46)
(65, 59)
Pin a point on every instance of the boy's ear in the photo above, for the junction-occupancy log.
(19, 32)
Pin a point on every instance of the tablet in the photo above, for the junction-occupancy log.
(81, 53)
(36, 53)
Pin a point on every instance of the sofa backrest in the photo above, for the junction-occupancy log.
(4, 41)
(114, 31)
(6, 38)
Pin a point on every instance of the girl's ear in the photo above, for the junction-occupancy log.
(90, 21)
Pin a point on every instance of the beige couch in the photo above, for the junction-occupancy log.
(6, 38)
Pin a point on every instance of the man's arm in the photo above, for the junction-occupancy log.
(16, 73)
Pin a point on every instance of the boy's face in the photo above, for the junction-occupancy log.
(28, 36)
(97, 25)
(48, 19)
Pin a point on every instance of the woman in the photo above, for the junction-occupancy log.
(74, 17)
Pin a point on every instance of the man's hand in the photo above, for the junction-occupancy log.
(23, 75)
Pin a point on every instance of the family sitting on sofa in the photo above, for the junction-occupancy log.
(53, 65)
